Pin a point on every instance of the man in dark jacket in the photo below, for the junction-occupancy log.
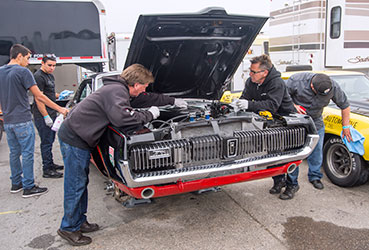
(266, 90)
(310, 93)
(81, 131)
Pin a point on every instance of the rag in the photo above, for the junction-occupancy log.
(65, 94)
(357, 144)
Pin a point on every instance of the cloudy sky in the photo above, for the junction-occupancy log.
(122, 15)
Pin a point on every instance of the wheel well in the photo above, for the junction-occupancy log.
(329, 136)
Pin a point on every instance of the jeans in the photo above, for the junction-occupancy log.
(76, 165)
(314, 160)
(47, 137)
(21, 141)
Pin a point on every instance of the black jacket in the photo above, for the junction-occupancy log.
(271, 95)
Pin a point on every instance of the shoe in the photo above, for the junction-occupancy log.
(75, 238)
(34, 191)
(317, 184)
(289, 192)
(16, 188)
(51, 173)
(88, 228)
(277, 187)
(58, 167)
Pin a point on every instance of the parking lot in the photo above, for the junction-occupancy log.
(240, 216)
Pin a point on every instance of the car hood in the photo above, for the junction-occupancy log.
(193, 55)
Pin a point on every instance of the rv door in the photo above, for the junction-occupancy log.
(334, 35)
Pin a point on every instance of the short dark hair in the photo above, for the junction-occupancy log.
(264, 60)
(48, 58)
(137, 73)
(18, 48)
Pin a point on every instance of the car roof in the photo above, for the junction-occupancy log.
(286, 75)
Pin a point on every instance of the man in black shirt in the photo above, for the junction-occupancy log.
(266, 90)
(44, 116)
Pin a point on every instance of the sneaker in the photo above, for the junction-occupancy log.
(34, 191)
(58, 167)
(289, 192)
(52, 173)
(16, 188)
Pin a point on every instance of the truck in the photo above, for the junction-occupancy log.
(72, 31)
(325, 34)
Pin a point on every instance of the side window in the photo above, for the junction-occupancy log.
(336, 14)
(85, 92)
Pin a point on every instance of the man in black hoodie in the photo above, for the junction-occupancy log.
(266, 90)
(81, 132)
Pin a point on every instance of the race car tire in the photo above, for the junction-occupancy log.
(342, 167)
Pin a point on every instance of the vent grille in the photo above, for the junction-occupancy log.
(203, 150)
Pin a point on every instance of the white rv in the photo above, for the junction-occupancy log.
(326, 34)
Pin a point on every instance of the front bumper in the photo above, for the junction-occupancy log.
(181, 186)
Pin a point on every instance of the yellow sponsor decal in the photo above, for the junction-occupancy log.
(331, 120)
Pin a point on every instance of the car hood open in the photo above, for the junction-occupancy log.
(193, 55)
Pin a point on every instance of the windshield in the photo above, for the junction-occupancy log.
(356, 87)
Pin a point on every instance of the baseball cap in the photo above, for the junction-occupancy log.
(322, 84)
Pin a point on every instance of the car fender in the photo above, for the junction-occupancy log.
(333, 125)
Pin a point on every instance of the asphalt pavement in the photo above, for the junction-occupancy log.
(239, 216)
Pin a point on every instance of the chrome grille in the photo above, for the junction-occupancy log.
(270, 140)
(186, 153)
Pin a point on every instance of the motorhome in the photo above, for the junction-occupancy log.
(326, 34)
(73, 31)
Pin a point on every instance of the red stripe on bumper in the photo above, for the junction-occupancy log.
(190, 186)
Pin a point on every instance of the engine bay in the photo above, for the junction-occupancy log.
(202, 117)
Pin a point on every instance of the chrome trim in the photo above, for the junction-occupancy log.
(258, 164)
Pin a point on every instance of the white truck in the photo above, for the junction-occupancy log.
(73, 31)
(118, 46)
(326, 34)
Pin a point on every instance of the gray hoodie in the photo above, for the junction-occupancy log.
(110, 104)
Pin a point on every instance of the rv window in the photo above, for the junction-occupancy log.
(335, 22)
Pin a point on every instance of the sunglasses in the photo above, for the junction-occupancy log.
(255, 72)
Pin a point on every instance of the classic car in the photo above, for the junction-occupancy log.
(341, 166)
(193, 56)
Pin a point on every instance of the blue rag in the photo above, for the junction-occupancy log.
(357, 143)
(65, 94)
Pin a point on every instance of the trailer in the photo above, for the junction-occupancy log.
(72, 31)
(326, 34)
(118, 46)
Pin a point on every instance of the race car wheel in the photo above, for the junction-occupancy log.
(343, 168)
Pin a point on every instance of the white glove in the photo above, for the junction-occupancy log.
(155, 112)
(48, 121)
(242, 103)
(180, 103)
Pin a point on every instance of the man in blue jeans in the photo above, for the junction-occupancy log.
(81, 132)
(310, 93)
(44, 116)
(15, 81)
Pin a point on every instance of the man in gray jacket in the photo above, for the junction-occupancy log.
(310, 93)
(81, 132)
